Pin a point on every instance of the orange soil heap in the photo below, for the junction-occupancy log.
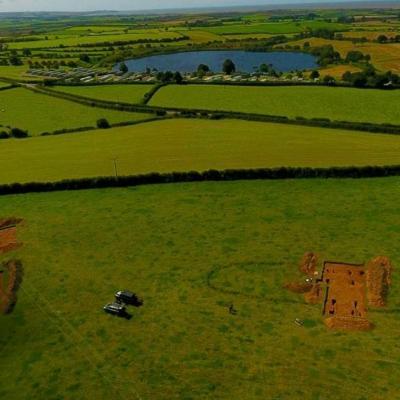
(8, 294)
(8, 234)
(345, 290)
(10, 282)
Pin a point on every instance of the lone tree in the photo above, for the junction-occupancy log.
(102, 123)
(202, 69)
(178, 77)
(228, 67)
(123, 68)
(314, 74)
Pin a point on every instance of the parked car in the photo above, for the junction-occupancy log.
(115, 309)
(126, 297)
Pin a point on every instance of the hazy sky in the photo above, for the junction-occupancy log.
(87, 5)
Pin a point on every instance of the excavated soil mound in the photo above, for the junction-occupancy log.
(379, 276)
(308, 264)
(8, 234)
(9, 289)
(8, 222)
(348, 323)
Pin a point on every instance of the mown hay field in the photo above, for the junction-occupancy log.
(170, 244)
(119, 93)
(186, 145)
(337, 71)
(38, 113)
(385, 57)
(370, 35)
(344, 104)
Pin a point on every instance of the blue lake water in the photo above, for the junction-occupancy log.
(245, 61)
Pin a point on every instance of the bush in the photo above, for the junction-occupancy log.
(102, 123)
(18, 133)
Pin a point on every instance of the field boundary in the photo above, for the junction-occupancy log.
(281, 173)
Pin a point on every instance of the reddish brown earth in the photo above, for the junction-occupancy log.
(8, 234)
(346, 290)
(11, 271)
(9, 289)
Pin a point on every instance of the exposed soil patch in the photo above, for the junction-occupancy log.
(8, 234)
(346, 290)
(379, 277)
(308, 264)
(348, 323)
(9, 289)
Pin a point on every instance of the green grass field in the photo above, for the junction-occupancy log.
(4, 84)
(185, 145)
(164, 242)
(345, 104)
(16, 72)
(40, 113)
(122, 93)
(84, 39)
(273, 28)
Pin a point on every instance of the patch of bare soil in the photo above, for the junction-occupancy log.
(9, 289)
(308, 264)
(8, 234)
(345, 290)
(379, 279)
(348, 323)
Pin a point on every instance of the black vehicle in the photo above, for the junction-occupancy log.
(115, 309)
(123, 296)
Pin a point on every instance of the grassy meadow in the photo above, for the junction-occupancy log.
(167, 244)
(40, 113)
(342, 104)
(123, 93)
(273, 27)
(84, 39)
(186, 145)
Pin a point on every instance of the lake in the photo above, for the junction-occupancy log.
(245, 61)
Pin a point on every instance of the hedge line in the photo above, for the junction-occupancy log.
(194, 176)
(92, 128)
(149, 95)
(12, 86)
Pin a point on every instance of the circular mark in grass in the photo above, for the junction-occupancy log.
(252, 279)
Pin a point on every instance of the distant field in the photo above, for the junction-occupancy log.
(39, 113)
(185, 145)
(4, 84)
(293, 101)
(202, 36)
(85, 39)
(370, 35)
(383, 56)
(123, 93)
(273, 28)
(337, 71)
(166, 243)
(15, 73)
